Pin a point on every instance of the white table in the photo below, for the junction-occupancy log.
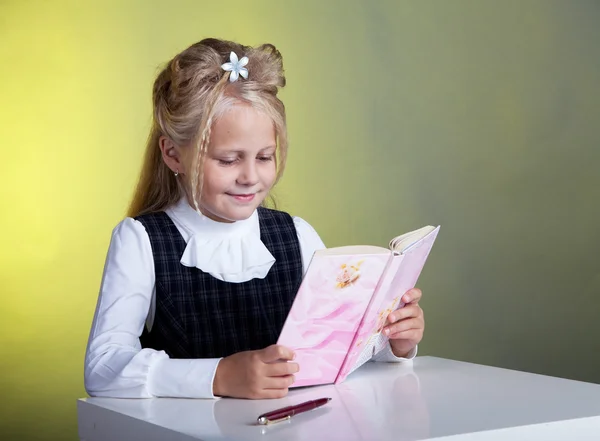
(431, 398)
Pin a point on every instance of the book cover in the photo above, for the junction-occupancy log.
(401, 275)
(335, 321)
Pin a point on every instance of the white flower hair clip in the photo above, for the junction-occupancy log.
(236, 67)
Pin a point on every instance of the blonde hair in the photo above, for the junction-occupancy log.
(189, 94)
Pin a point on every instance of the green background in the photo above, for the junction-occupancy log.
(480, 116)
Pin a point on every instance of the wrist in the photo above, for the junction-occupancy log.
(219, 380)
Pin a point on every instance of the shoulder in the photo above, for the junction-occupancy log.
(129, 231)
(129, 250)
(309, 240)
(308, 236)
(157, 225)
(151, 219)
(304, 229)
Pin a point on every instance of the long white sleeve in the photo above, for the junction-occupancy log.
(115, 363)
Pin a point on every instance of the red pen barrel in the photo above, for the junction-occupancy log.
(290, 411)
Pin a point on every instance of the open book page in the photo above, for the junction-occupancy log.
(369, 331)
(401, 275)
(403, 243)
(327, 311)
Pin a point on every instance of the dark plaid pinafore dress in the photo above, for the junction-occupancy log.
(199, 316)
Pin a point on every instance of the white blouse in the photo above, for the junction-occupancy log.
(115, 363)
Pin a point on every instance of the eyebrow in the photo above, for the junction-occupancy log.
(225, 152)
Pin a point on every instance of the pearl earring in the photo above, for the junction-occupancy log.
(176, 173)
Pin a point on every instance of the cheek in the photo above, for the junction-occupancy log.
(269, 174)
(216, 180)
(208, 181)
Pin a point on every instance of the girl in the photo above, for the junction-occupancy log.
(200, 277)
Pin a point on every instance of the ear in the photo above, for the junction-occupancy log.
(171, 154)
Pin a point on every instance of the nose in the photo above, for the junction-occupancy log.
(248, 174)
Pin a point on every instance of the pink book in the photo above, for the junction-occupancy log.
(335, 323)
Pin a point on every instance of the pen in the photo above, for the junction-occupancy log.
(288, 412)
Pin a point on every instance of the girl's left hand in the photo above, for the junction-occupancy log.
(405, 326)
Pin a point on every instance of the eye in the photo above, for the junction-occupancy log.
(226, 161)
(265, 158)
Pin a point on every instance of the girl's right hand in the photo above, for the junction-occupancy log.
(266, 373)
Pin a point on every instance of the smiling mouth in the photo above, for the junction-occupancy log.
(242, 197)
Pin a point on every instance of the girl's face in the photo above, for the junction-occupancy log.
(240, 166)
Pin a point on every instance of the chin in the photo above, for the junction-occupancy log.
(232, 214)
(229, 211)
(241, 214)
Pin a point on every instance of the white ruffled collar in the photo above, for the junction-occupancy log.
(232, 252)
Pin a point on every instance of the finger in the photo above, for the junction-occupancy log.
(275, 353)
(270, 394)
(412, 296)
(279, 369)
(404, 325)
(407, 311)
(278, 382)
(267, 393)
(410, 334)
